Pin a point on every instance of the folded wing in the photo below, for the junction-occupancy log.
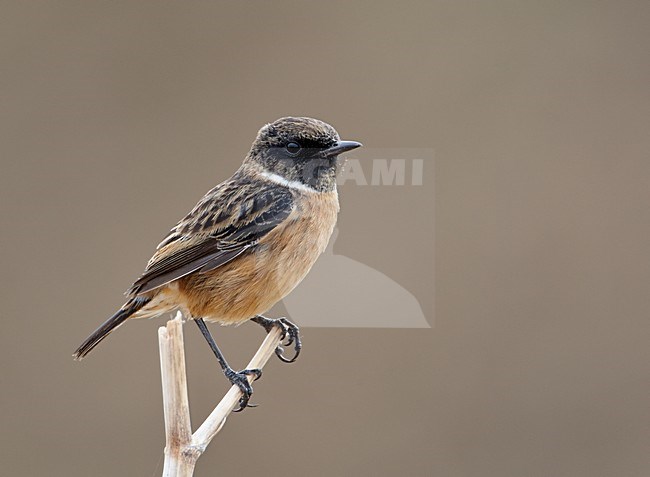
(227, 222)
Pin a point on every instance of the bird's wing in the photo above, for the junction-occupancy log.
(228, 221)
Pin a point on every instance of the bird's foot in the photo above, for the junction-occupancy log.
(240, 379)
(289, 331)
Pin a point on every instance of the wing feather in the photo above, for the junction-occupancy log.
(228, 221)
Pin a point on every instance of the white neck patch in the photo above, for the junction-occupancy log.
(278, 179)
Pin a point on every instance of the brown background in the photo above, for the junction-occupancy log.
(117, 116)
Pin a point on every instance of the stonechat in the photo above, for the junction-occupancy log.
(247, 243)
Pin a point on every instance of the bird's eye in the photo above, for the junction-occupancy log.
(293, 148)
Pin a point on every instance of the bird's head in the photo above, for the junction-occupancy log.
(303, 150)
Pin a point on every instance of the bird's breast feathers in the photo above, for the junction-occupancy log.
(253, 282)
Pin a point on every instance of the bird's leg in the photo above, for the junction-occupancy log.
(289, 331)
(238, 378)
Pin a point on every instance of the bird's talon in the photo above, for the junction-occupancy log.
(240, 379)
(252, 372)
(243, 405)
(290, 335)
(294, 338)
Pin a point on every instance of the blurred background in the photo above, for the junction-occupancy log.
(118, 116)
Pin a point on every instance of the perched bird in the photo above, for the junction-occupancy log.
(247, 243)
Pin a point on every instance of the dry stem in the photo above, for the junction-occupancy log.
(182, 449)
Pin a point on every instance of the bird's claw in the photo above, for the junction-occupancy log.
(240, 379)
(290, 335)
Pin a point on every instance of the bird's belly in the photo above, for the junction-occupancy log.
(257, 280)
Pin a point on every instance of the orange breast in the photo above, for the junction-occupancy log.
(257, 280)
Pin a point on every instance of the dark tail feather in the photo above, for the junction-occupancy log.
(109, 325)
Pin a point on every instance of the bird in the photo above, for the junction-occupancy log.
(247, 243)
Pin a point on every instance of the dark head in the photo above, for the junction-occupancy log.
(305, 150)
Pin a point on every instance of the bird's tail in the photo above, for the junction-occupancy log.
(109, 325)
